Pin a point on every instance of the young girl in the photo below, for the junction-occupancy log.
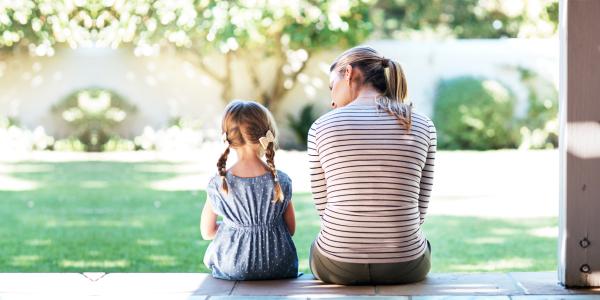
(254, 241)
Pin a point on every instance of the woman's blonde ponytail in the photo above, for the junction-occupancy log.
(385, 75)
(392, 100)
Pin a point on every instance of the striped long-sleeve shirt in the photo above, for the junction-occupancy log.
(371, 180)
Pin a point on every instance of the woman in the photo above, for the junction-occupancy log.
(371, 161)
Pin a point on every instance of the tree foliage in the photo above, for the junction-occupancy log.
(466, 18)
(287, 33)
(283, 34)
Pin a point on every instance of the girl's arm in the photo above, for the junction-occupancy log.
(208, 222)
(290, 218)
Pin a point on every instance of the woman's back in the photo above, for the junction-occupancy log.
(371, 183)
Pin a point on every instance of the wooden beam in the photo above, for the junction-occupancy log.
(579, 146)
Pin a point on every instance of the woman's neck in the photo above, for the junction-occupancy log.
(368, 93)
(366, 96)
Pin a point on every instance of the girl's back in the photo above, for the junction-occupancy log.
(253, 241)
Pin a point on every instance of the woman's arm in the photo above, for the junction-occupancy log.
(426, 184)
(208, 222)
(290, 218)
(317, 175)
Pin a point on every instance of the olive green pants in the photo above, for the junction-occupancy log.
(336, 272)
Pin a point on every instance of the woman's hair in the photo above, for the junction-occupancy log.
(245, 122)
(384, 74)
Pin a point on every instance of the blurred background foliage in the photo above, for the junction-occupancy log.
(284, 35)
(477, 114)
(93, 115)
(465, 19)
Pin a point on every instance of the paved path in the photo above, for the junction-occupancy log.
(541, 285)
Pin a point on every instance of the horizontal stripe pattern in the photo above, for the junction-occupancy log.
(371, 181)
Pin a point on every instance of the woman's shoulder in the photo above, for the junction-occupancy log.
(423, 119)
(338, 115)
(322, 118)
(421, 116)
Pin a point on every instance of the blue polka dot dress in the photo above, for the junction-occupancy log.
(253, 242)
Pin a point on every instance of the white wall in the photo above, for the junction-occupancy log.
(166, 85)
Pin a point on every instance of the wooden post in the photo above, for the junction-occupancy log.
(579, 146)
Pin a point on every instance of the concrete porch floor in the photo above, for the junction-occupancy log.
(198, 286)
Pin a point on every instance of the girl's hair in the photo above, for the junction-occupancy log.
(384, 74)
(245, 122)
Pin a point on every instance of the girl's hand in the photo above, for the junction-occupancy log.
(208, 222)
(290, 218)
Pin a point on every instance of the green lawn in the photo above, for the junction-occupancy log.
(102, 216)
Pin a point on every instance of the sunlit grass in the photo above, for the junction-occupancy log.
(106, 216)
(468, 244)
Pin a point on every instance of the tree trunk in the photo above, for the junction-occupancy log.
(227, 82)
(272, 96)
(224, 80)
(278, 90)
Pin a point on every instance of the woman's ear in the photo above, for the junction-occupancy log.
(348, 73)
